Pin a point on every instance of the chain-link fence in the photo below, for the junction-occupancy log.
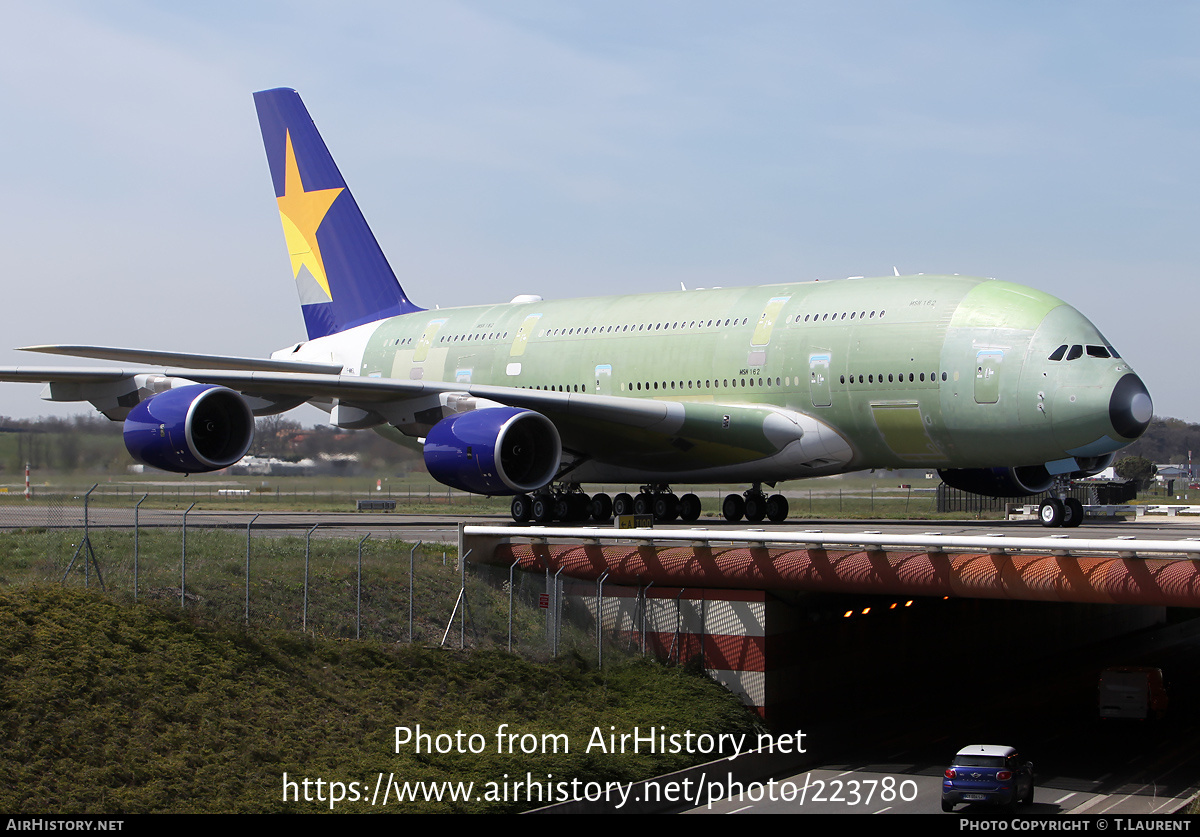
(269, 572)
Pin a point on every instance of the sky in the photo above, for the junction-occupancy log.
(578, 148)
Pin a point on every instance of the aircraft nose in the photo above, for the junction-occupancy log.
(1130, 407)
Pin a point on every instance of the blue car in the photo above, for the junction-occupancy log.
(988, 774)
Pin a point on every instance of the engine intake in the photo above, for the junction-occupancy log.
(499, 450)
(190, 429)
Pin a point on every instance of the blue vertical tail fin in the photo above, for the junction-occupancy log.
(342, 276)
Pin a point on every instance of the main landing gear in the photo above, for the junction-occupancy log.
(1061, 510)
(569, 504)
(754, 505)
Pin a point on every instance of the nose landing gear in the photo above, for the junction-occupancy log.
(1061, 510)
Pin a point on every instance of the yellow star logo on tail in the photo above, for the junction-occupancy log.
(302, 213)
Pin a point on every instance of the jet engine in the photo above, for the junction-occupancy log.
(497, 450)
(190, 429)
(999, 482)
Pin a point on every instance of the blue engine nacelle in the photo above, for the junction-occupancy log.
(190, 429)
(999, 482)
(498, 450)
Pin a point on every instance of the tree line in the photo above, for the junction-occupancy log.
(93, 444)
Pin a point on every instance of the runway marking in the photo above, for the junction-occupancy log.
(739, 810)
(1064, 799)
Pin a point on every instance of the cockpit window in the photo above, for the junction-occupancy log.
(1058, 353)
(1113, 352)
(1076, 351)
(1097, 351)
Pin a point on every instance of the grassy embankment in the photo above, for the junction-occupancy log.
(121, 708)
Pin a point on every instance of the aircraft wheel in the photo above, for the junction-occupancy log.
(562, 508)
(734, 508)
(543, 508)
(601, 508)
(756, 508)
(578, 507)
(1073, 512)
(666, 506)
(522, 508)
(643, 503)
(1051, 513)
(777, 508)
(689, 507)
(623, 504)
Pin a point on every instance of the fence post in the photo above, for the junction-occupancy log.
(510, 602)
(183, 555)
(412, 590)
(248, 525)
(645, 608)
(136, 531)
(307, 540)
(358, 603)
(600, 620)
(557, 603)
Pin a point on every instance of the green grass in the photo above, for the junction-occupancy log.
(215, 582)
(116, 708)
(852, 496)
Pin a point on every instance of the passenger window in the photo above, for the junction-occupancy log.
(1058, 353)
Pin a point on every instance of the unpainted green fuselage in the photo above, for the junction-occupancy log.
(910, 371)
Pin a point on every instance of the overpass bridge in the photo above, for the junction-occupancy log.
(741, 600)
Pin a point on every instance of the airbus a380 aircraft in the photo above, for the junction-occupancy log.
(1006, 390)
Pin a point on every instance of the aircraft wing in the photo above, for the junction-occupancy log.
(192, 361)
(630, 432)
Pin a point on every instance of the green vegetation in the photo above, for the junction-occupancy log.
(107, 706)
(851, 496)
(113, 708)
(1137, 468)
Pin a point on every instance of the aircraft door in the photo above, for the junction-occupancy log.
(763, 329)
(604, 379)
(523, 333)
(818, 379)
(426, 340)
(987, 375)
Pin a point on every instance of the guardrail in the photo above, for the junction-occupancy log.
(1124, 546)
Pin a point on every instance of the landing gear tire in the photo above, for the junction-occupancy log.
(578, 508)
(522, 508)
(734, 508)
(1072, 512)
(643, 503)
(601, 508)
(543, 508)
(689, 507)
(1051, 513)
(777, 508)
(756, 508)
(666, 506)
(622, 504)
(562, 508)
